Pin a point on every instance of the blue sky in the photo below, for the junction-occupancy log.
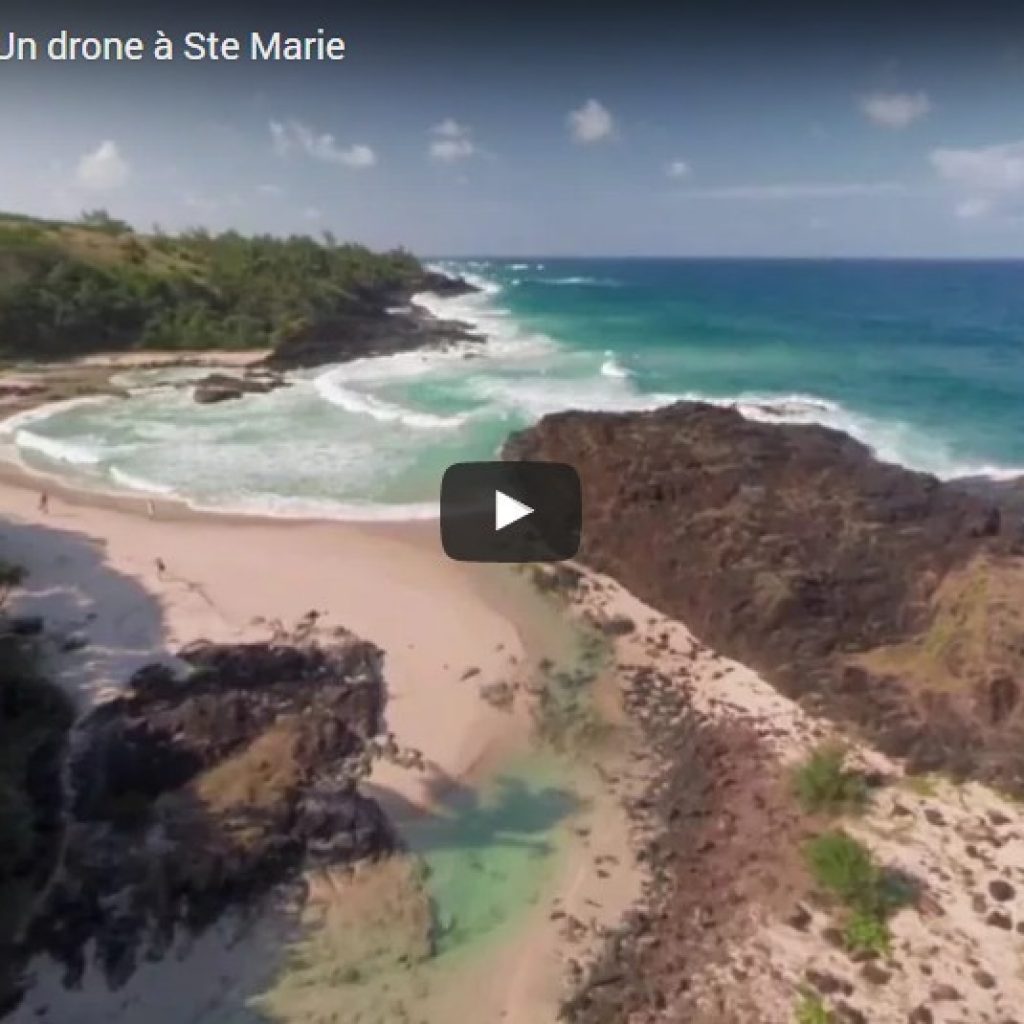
(534, 136)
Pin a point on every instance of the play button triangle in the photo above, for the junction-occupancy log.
(508, 511)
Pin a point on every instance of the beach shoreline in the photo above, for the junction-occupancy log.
(449, 631)
(678, 869)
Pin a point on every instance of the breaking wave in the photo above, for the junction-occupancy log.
(56, 449)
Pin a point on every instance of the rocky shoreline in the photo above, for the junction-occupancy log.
(384, 323)
(876, 596)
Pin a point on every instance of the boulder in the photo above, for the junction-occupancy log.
(193, 794)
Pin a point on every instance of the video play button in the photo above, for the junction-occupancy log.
(510, 512)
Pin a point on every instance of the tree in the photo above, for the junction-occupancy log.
(102, 220)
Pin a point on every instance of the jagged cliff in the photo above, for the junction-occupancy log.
(880, 596)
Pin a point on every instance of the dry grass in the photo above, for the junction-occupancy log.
(976, 628)
(364, 932)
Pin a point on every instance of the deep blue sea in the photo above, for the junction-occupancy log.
(924, 361)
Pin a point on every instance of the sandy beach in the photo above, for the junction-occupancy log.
(126, 583)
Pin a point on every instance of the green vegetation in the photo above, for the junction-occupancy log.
(824, 785)
(844, 867)
(565, 714)
(812, 1010)
(34, 717)
(922, 785)
(68, 289)
(866, 933)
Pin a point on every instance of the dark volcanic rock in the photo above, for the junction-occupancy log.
(222, 387)
(382, 323)
(192, 795)
(442, 284)
(849, 582)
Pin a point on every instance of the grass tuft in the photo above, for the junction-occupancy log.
(812, 1010)
(844, 867)
(824, 785)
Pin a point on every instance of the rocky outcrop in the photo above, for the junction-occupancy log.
(877, 595)
(442, 284)
(223, 387)
(191, 795)
(381, 323)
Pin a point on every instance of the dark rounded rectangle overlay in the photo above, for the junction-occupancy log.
(550, 533)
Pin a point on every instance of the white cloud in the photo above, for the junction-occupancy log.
(450, 150)
(449, 128)
(358, 155)
(678, 169)
(290, 137)
(985, 169)
(312, 213)
(103, 167)
(972, 209)
(452, 141)
(798, 190)
(270, 190)
(987, 176)
(592, 122)
(895, 109)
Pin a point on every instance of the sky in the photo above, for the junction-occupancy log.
(724, 129)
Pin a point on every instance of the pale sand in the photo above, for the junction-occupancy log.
(93, 574)
(955, 839)
(92, 571)
(145, 359)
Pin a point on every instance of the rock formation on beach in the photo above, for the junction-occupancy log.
(224, 387)
(190, 795)
(879, 596)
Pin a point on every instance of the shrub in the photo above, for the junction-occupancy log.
(866, 933)
(844, 866)
(823, 784)
(811, 1010)
(870, 894)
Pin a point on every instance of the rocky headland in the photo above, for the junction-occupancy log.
(877, 596)
(195, 792)
(382, 322)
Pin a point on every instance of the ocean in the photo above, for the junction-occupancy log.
(923, 361)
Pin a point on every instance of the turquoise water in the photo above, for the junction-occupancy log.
(491, 855)
(923, 361)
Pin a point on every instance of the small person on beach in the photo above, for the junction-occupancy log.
(161, 568)
(151, 509)
(44, 502)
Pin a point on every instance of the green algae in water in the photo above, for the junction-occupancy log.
(490, 856)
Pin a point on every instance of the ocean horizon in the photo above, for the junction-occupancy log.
(922, 360)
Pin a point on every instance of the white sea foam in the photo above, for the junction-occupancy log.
(334, 387)
(611, 367)
(281, 507)
(504, 336)
(891, 440)
(139, 483)
(578, 282)
(14, 423)
(535, 397)
(57, 450)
